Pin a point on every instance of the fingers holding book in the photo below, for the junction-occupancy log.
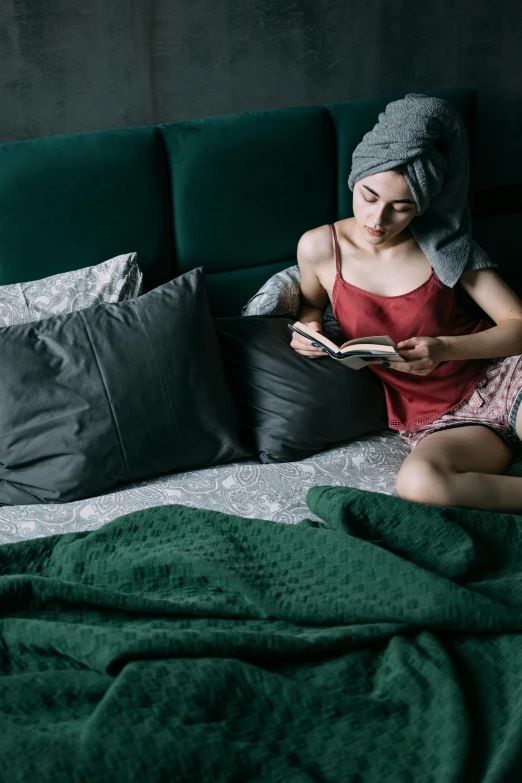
(306, 347)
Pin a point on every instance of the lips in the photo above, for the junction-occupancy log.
(375, 233)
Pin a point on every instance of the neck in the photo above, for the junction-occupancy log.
(379, 251)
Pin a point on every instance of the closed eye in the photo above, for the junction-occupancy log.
(372, 201)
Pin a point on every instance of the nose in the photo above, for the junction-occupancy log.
(378, 222)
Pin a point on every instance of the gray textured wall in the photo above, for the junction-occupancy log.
(68, 66)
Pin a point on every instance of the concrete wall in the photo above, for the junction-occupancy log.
(68, 66)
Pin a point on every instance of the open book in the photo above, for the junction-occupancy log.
(354, 353)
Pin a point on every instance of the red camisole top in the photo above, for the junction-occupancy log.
(429, 310)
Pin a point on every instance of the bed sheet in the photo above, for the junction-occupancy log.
(274, 491)
(249, 489)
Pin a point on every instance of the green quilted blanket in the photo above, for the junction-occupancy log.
(178, 644)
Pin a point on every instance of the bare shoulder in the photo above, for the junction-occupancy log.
(315, 246)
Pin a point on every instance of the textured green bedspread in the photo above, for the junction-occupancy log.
(177, 644)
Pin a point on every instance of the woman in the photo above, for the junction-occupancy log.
(453, 378)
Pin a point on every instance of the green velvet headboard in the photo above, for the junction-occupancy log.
(231, 193)
(74, 200)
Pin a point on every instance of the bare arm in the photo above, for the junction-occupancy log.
(501, 304)
(314, 298)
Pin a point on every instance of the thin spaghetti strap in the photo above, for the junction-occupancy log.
(336, 249)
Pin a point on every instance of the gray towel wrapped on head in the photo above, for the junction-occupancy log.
(427, 137)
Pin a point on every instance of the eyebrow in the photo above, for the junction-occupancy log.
(395, 200)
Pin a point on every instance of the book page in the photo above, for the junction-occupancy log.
(381, 344)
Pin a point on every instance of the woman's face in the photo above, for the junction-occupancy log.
(383, 201)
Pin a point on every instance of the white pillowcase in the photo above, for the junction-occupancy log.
(114, 280)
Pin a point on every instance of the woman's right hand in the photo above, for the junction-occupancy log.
(303, 346)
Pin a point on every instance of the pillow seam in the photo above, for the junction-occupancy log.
(80, 312)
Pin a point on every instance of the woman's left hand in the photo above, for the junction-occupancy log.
(422, 355)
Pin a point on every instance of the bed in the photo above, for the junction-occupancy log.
(283, 621)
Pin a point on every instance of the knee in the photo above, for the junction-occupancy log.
(424, 482)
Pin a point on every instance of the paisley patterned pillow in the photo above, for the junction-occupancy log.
(114, 280)
(280, 295)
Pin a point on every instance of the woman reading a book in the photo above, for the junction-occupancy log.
(391, 270)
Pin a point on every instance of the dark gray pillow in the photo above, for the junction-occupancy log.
(114, 393)
(291, 407)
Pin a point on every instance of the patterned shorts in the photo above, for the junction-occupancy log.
(493, 404)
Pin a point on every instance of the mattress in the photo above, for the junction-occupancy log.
(248, 489)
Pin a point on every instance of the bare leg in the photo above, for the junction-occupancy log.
(461, 467)
(487, 492)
